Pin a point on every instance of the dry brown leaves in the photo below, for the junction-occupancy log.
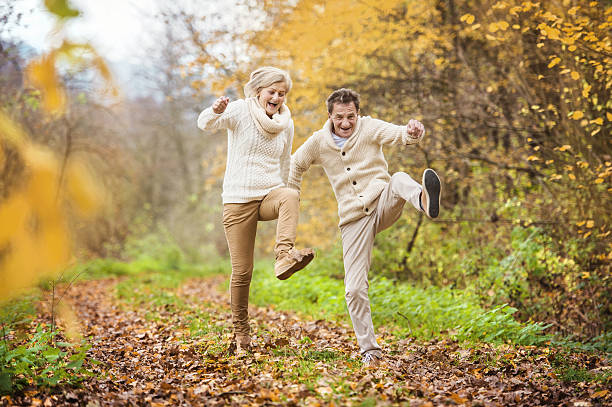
(294, 362)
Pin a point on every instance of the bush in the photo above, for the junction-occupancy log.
(562, 283)
(36, 359)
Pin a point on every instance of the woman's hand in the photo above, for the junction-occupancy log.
(220, 104)
(416, 129)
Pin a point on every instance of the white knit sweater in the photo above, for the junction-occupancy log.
(358, 171)
(256, 163)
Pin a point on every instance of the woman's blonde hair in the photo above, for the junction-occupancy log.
(264, 77)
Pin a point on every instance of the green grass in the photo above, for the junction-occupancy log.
(324, 355)
(147, 279)
(420, 312)
(571, 369)
(572, 374)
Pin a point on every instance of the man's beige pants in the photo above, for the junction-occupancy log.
(357, 242)
(240, 224)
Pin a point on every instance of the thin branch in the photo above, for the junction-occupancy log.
(53, 309)
(403, 316)
(528, 170)
(4, 335)
(411, 243)
(523, 223)
(67, 152)
(70, 285)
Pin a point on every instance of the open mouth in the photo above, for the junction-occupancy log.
(272, 106)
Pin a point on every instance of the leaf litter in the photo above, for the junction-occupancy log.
(179, 353)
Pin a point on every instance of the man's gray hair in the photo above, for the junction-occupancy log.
(343, 96)
(264, 77)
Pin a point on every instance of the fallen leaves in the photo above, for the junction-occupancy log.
(164, 355)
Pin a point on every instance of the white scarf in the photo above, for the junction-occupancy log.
(266, 125)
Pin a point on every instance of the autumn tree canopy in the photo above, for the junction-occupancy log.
(514, 96)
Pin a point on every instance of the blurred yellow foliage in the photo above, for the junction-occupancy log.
(34, 238)
(36, 203)
(42, 73)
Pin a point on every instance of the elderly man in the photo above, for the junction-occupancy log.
(349, 147)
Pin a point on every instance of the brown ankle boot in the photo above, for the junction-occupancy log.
(240, 345)
(288, 263)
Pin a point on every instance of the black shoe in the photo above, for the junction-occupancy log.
(431, 189)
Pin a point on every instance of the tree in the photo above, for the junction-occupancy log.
(513, 94)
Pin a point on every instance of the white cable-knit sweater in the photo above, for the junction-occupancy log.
(256, 163)
(358, 171)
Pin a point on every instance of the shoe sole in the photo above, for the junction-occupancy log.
(296, 267)
(432, 188)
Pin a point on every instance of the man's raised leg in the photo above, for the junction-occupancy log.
(401, 189)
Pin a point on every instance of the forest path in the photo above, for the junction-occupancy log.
(174, 352)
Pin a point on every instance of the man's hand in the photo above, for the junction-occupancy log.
(416, 129)
(220, 104)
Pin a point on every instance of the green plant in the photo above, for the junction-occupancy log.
(420, 312)
(42, 361)
(158, 246)
(571, 368)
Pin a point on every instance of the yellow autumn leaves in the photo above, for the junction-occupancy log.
(554, 61)
(468, 18)
(497, 26)
(40, 193)
(42, 73)
(35, 238)
(572, 40)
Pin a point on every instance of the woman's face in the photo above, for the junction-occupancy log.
(272, 97)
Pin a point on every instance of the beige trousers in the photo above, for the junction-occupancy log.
(357, 242)
(240, 224)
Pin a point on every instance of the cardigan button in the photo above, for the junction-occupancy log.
(366, 209)
(348, 169)
(344, 153)
(354, 182)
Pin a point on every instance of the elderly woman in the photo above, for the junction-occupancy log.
(259, 134)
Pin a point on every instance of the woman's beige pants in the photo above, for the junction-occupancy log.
(240, 224)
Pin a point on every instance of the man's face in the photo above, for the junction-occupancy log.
(344, 119)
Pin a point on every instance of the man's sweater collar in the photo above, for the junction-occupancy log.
(329, 140)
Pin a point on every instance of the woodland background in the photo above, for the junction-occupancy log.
(515, 97)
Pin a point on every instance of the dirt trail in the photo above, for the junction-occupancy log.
(294, 362)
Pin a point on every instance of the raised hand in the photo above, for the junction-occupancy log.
(220, 104)
(415, 129)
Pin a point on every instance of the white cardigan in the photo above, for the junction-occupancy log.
(358, 171)
(256, 164)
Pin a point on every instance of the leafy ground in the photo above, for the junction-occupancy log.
(163, 343)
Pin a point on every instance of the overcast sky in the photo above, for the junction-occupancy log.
(125, 32)
(120, 30)
(117, 28)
